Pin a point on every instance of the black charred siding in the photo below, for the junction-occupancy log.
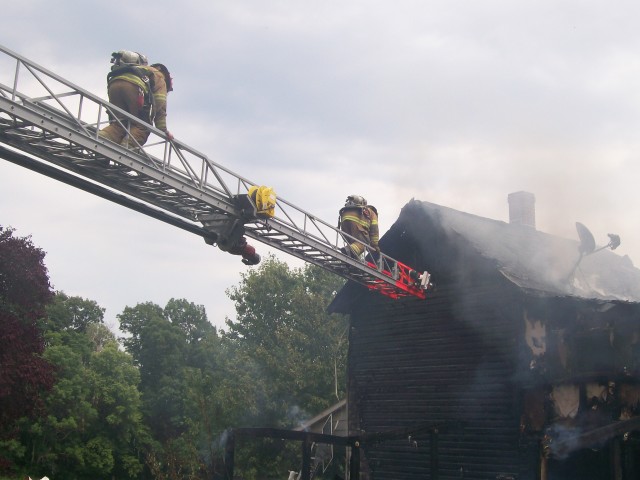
(437, 361)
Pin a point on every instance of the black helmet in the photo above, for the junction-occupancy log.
(167, 76)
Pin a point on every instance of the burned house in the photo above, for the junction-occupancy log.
(522, 363)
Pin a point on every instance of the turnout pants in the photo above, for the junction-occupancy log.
(356, 231)
(126, 96)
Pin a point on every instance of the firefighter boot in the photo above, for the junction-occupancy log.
(347, 251)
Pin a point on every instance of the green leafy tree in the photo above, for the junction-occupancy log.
(74, 314)
(294, 347)
(177, 351)
(158, 348)
(115, 381)
(24, 374)
(288, 355)
(93, 427)
(275, 366)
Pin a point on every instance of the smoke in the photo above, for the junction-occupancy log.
(221, 441)
(297, 416)
(561, 441)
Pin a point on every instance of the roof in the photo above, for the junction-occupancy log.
(446, 242)
(321, 417)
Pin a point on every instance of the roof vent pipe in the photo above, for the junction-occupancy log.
(522, 209)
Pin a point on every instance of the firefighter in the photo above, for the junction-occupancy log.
(361, 222)
(141, 90)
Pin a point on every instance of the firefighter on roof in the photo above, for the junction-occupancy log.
(141, 90)
(361, 222)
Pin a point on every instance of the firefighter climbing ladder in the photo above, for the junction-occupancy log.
(51, 126)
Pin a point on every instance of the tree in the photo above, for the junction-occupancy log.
(176, 349)
(275, 366)
(114, 381)
(24, 281)
(73, 314)
(287, 355)
(93, 427)
(294, 346)
(24, 374)
(158, 348)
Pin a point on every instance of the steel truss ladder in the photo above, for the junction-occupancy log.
(45, 116)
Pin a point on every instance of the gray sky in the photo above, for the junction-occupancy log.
(454, 102)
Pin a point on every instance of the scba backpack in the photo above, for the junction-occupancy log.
(126, 61)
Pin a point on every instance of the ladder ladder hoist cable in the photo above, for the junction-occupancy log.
(51, 126)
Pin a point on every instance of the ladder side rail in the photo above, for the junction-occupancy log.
(109, 108)
(177, 147)
(347, 268)
(322, 231)
(22, 159)
(357, 271)
(312, 220)
(53, 97)
(63, 119)
(316, 244)
(217, 170)
(200, 179)
(121, 155)
(33, 67)
(385, 262)
(303, 237)
(22, 98)
(244, 185)
(135, 186)
(144, 193)
(196, 185)
(307, 218)
(15, 94)
(158, 200)
(349, 271)
(193, 228)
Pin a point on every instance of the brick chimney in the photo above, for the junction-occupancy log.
(522, 209)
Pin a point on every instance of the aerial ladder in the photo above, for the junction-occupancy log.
(49, 125)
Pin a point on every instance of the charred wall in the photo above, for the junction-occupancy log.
(444, 362)
(523, 380)
(581, 377)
